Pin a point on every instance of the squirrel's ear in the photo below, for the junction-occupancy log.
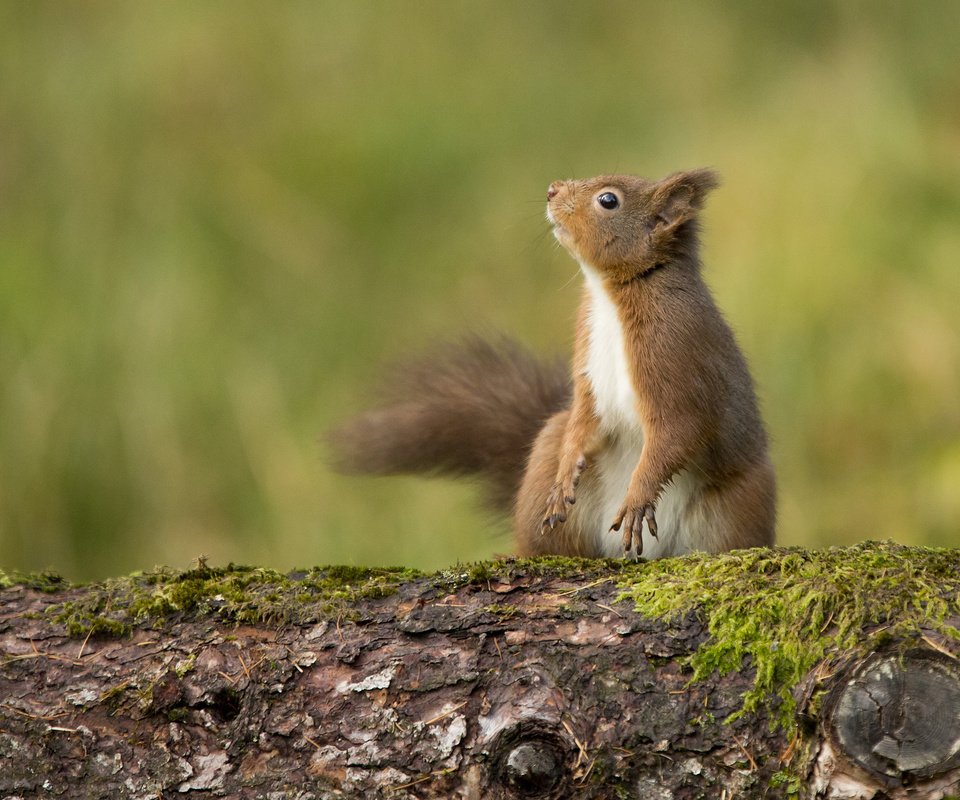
(678, 197)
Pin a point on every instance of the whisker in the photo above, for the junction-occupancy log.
(573, 277)
(537, 240)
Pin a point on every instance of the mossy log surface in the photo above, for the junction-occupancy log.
(760, 673)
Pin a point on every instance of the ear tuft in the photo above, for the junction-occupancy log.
(701, 180)
(678, 197)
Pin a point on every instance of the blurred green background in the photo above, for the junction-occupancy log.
(219, 220)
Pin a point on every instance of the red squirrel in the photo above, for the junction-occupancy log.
(655, 447)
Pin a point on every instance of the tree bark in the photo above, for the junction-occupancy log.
(522, 679)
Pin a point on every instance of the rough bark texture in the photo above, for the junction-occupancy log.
(521, 680)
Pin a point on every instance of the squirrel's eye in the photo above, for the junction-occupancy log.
(608, 200)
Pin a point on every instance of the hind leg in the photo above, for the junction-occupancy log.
(742, 513)
(533, 538)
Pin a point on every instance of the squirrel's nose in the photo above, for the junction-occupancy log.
(553, 190)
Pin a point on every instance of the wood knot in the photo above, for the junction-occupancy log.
(898, 716)
(530, 761)
(533, 769)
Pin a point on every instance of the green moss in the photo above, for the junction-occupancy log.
(509, 569)
(791, 784)
(784, 610)
(47, 582)
(79, 625)
(114, 695)
(561, 566)
(185, 665)
(503, 611)
(234, 593)
(252, 595)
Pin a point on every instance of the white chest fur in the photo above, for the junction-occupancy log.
(679, 513)
(607, 367)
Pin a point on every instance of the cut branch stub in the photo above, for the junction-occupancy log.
(898, 716)
(532, 767)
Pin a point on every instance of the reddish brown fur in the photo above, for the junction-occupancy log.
(695, 396)
(481, 409)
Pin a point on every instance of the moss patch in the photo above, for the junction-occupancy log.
(503, 611)
(507, 570)
(780, 611)
(234, 593)
(788, 609)
(47, 582)
(254, 595)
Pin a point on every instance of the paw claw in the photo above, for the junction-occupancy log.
(651, 519)
(558, 500)
(631, 518)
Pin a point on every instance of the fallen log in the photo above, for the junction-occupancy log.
(760, 673)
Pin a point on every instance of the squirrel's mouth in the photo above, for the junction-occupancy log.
(561, 234)
(558, 229)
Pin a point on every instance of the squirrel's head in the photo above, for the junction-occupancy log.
(622, 225)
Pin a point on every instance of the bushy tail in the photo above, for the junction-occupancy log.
(470, 408)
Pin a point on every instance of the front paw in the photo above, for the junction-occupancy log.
(630, 518)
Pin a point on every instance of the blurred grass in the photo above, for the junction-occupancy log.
(218, 220)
